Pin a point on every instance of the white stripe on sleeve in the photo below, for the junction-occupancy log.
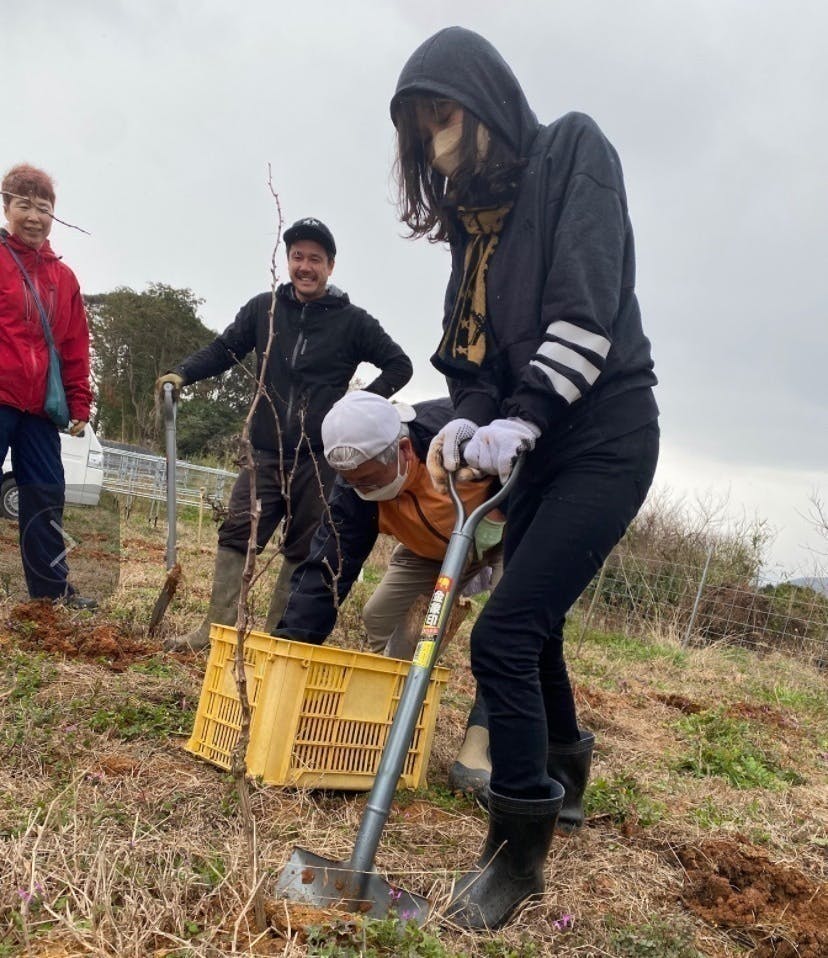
(564, 356)
(571, 333)
(563, 387)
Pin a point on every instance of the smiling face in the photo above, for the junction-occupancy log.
(310, 268)
(29, 219)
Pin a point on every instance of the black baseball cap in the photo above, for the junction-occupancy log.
(311, 228)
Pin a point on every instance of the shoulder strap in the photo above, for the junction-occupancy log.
(44, 319)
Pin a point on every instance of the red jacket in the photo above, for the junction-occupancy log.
(24, 357)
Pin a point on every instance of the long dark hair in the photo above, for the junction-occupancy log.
(426, 200)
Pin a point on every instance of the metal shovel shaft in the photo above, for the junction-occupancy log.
(354, 884)
(173, 569)
(416, 683)
(172, 455)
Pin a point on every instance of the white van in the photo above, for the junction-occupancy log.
(83, 468)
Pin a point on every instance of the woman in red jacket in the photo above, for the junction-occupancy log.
(28, 205)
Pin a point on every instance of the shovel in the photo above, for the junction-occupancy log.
(173, 568)
(354, 885)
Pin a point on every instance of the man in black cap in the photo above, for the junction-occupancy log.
(320, 338)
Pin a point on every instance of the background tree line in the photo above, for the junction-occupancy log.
(136, 337)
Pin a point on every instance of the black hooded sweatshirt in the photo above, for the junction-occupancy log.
(315, 352)
(565, 347)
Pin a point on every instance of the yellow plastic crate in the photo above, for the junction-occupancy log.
(320, 715)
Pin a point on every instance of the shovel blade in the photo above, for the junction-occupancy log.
(165, 597)
(314, 880)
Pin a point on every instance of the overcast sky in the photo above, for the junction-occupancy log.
(158, 119)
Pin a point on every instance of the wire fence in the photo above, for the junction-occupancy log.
(698, 604)
(134, 475)
(702, 596)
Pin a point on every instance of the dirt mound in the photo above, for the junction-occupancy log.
(737, 886)
(43, 627)
(680, 702)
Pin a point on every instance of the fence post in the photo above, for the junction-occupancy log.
(200, 510)
(698, 598)
(588, 617)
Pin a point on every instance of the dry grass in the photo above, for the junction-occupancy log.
(114, 841)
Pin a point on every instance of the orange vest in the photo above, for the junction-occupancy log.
(421, 518)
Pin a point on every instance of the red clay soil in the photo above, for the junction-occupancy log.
(290, 919)
(736, 886)
(680, 702)
(43, 627)
(762, 713)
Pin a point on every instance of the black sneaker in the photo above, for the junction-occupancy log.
(74, 601)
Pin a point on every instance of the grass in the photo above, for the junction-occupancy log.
(629, 649)
(117, 842)
(134, 719)
(622, 799)
(387, 938)
(654, 939)
(727, 747)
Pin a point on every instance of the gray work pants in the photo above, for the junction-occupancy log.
(407, 578)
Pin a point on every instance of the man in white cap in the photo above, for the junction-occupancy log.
(378, 451)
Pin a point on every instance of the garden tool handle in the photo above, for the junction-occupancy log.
(416, 683)
(466, 525)
(172, 454)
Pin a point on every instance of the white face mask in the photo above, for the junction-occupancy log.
(445, 146)
(386, 493)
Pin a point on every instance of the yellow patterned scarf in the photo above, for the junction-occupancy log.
(463, 346)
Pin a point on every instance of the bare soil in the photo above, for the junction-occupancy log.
(736, 885)
(43, 627)
(119, 842)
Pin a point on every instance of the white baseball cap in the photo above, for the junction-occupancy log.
(361, 425)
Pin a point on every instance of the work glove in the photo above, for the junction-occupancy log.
(489, 532)
(494, 448)
(175, 380)
(444, 452)
(77, 427)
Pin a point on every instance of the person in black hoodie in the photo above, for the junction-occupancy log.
(545, 357)
(320, 338)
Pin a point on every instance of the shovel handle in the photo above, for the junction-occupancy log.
(172, 454)
(416, 682)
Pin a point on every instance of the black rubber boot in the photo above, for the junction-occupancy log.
(570, 765)
(510, 869)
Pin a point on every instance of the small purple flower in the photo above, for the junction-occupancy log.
(26, 896)
(395, 894)
(406, 915)
(563, 923)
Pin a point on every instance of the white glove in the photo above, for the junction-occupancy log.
(494, 448)
(444, 452)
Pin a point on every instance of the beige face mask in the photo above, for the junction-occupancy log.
(445, 146)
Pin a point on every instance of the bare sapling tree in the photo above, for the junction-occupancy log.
(243, 614)
(287, 469)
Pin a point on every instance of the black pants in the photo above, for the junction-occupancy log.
(562, 524)
(38, 471)
(299, 502)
